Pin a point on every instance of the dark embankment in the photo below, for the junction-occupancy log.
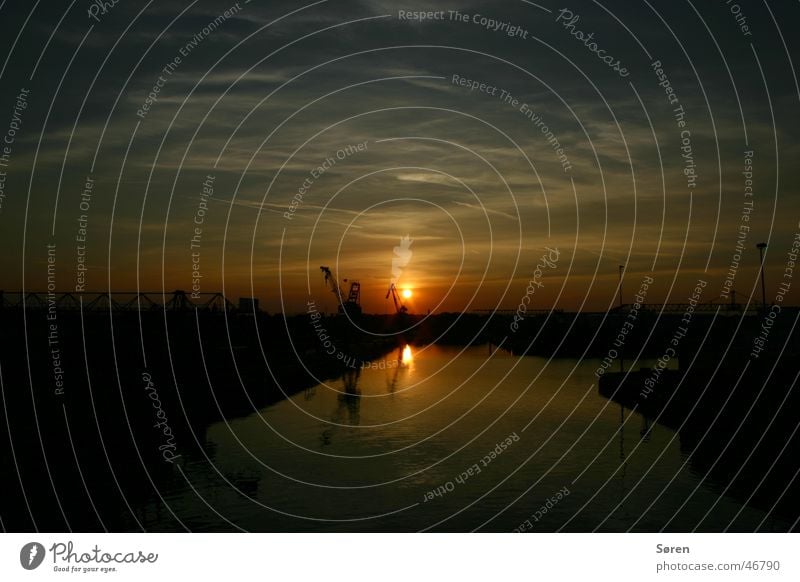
(734, 408)
(102, 409)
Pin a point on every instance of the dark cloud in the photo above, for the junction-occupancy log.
(261, 106)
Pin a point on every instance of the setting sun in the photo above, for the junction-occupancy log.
(407, 293)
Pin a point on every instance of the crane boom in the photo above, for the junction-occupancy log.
(331, 281)
(352, 305)
(398, 305)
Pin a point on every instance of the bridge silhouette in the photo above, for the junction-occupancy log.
(179, 300)
(98, 301)
(709, 307)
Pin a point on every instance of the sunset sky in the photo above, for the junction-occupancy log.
(262, 99)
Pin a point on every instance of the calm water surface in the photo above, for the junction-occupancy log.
(364, 452)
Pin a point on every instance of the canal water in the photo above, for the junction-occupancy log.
(450, 439)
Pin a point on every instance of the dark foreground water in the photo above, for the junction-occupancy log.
(412, 444)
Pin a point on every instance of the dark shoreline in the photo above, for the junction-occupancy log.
(132, 411)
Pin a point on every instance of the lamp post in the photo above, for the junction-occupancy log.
(622, 347)
(761, 246)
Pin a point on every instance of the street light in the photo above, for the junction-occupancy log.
(761, 246)
(621, 268)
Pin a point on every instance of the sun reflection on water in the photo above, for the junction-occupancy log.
(407, 358)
